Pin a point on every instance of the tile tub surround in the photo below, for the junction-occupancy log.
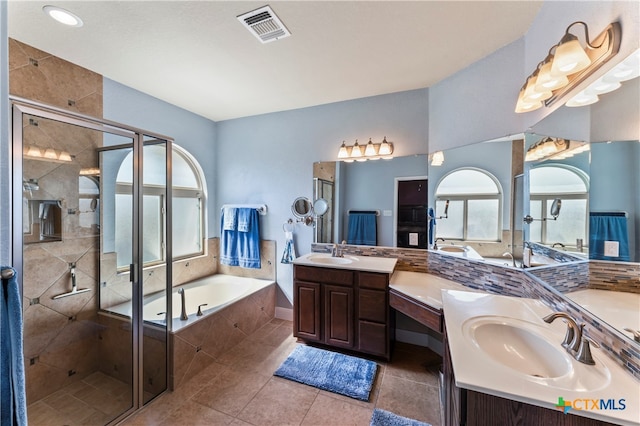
(202, 343)
(557, 255)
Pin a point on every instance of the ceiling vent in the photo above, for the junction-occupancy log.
(264, 24)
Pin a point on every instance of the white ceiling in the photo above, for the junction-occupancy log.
(197, 55)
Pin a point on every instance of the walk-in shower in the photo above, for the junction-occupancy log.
(85, 223)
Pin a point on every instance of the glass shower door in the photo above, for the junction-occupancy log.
(92, 239)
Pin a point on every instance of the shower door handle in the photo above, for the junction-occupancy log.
(132, 273)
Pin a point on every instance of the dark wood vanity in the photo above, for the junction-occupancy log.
(343, 308)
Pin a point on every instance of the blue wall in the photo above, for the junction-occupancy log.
(269, 158)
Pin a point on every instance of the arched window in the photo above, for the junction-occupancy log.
(571, 185)
(475, 204)
(189, 201)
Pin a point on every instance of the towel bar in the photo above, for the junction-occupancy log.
(261, 208)
(376, 212)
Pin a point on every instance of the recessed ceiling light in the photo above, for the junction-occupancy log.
(63, 16)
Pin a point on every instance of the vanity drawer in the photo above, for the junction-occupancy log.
(371, 280)
(323, 275)
(372, 305)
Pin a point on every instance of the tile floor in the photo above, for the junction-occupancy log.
(94, 400)
(240, 389)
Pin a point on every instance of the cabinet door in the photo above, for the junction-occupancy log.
(306, 302)
(339, 320)
(372, 338)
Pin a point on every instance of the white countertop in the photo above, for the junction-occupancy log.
(476, 370)
(424, 287)
(384, 265)
(619, 309)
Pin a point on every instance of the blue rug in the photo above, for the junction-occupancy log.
(330, 371)
(387, 418)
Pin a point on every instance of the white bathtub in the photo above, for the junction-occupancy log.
(217, 291)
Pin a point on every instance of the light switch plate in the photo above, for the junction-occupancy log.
(612, 248)
(387, 212)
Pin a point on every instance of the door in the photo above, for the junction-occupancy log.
(411, 223)
(78, 248)
(339, 319)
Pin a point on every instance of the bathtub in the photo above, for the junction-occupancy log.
(217, 291)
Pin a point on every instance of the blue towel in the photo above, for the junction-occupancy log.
(431, 217)
(230, 219)
(608, 227)
(362, 229)
(241, 248)
(13, 400)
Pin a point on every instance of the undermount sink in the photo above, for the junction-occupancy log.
(518, 347)
(329, 260)
(452, 249)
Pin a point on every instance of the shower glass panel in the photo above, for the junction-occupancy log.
(68, 341)
(92, 353)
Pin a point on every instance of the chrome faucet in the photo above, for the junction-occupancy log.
(513, 260)
(435, 243)
(554, 245)
(575, 342)
(183, 314)
(338, 250)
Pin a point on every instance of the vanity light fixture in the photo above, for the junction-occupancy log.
(34, 153)
(437, 158)
(627, 69)
(567, 64)
(63, 16)
(370, 151)
(554, 149)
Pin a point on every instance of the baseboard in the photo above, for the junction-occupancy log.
(284, 313)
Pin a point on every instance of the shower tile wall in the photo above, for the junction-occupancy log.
(60, 335)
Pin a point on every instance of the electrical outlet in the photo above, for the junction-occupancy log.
(612, 248)
(413, 238)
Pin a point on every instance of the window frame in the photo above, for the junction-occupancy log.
(199, 194)
(466, 197)
(543, 197)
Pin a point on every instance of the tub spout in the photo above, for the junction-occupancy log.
(183, 315)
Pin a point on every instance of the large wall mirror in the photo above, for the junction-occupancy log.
(390, 195)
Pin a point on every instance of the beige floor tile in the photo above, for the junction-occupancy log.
(280, 402)
(231, 391)
(327, 411)
(408, 398)
(193, 414)
(416, 364)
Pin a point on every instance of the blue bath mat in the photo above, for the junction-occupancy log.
(387, 418)
(330, 371)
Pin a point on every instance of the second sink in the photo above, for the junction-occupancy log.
(518, 347)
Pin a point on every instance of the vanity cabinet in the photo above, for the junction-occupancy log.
(472, 408)
(342, 308)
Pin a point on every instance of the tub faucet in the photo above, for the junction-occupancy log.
(183, 315)
(554, 245)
